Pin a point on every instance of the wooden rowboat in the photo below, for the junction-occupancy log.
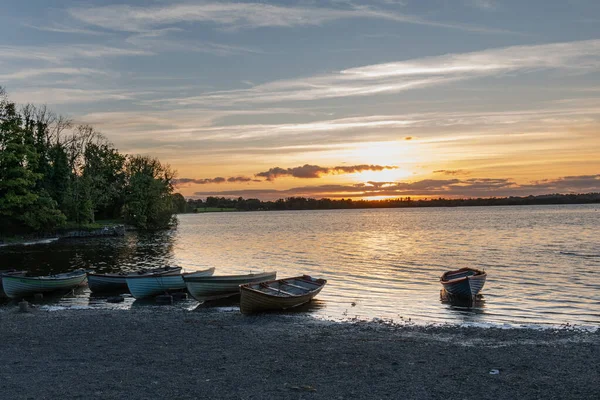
(464, 282)
(8, 272)
(117, 282)
(22, 286)
(146, 286)
(279, 294)
(204, 288)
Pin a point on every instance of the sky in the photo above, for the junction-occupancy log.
(338, 99)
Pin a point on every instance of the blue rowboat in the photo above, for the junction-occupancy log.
(8, 272)
(146, 286)
(22, 286)
(117, 282)
(280, 294)
(464, 282)
(204, 288)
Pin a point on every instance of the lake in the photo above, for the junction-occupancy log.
(543, 262)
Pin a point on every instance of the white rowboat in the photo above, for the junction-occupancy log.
(204, 288)
(147, 286)
(21, 286)
(117, 282)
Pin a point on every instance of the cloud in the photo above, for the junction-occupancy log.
(487, 5)
(36, 72)
(59, 54)
(314, 171)
(451, 188)
(205, 181)
(394, 77)
(236, 16)
(451, 172)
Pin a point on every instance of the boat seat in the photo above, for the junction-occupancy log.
(277, 290)
(296, 286)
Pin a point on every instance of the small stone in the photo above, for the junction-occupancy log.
(115, 299)
(23, 306)
(164, 299)
(178, 296)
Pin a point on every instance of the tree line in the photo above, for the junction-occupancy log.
(54, 174)
(303, 203)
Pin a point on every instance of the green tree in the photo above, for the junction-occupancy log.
(148, 200)
(104, 171)
(179, 203)
(25, 206)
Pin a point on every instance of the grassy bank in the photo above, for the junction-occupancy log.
(214, 209)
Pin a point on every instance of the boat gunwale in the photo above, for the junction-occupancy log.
(167, 276)
(151, 272)
(53, 278)
(479, 274)
(227, 278)
(302, 277)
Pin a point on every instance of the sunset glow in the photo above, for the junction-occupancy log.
(421, 99)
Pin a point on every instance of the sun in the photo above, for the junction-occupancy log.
(386, 175)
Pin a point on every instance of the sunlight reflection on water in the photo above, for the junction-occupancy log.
(542, 261)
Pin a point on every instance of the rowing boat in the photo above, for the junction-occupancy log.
(117, 281)
(204, 288)
(8, 272)
(22, 286)
(146, 286)
(464, 282)
(279, 294)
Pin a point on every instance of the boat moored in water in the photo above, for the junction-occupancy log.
(23, 286)
(204, 288)
(279, 294)
(145, 286)
(463, 282)
(118, 281)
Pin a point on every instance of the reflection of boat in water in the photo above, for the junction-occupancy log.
(118, 281)
(464, 282)
(204, 288)
(477, 301)
(21, 286)
(280, 294)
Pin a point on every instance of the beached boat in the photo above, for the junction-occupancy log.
(279, 294)
(464, 282)
(117, 281)
(22, 286)
(146, 286)
(218, 287)
(8, 272)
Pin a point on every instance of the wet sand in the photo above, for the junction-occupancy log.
(175, 354)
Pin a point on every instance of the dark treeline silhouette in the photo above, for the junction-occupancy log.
(303, 203)
(55, 174)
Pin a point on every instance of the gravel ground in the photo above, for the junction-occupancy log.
(161, 353)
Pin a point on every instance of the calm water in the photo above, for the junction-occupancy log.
(543, 262)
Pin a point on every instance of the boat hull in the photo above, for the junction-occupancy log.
(466, 286)
(16, 287)
(146, 286)
(219, 287)
(253, 301)
(99, 283)
(8, 273)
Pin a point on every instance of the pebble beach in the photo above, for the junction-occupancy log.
(178, 354)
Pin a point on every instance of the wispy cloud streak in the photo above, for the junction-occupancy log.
(395, 77)
(236, 16)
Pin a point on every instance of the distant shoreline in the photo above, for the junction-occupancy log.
(204, 354)
(222, 204)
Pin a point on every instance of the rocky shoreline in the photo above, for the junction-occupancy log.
(204, 354)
